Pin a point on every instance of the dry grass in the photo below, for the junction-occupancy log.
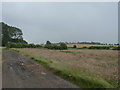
(102, 63)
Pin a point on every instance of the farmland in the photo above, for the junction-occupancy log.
(59, 45)
(88, 45)
(85, 68)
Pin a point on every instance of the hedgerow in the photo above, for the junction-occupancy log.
(22, 45)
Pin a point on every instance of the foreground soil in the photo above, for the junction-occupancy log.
(21, 72)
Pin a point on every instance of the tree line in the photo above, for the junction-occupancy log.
(12, 37)
(61, 46)
(92, 43)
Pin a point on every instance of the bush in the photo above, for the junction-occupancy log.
(116, 48)
(22, 45)
(63, 46)
(52, 46)
(38, 46)
(74, 46)
(32, 45)
(99, 47)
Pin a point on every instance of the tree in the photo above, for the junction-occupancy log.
(11, 34)
(48, 43)
(74, 46)
(63, 46)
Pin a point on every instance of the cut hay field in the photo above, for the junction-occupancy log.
(85, 68)
(88, 45)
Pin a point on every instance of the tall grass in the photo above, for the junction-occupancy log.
(80, 77)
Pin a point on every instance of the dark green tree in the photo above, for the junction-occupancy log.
(63, 46)
(74, 46)
(11, 34)
(48, 43)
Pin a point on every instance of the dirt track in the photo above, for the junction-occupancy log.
(21, 72)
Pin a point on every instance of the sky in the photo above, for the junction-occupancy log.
(63, 21)
(0, 11)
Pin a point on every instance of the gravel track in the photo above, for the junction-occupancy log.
(21, 72)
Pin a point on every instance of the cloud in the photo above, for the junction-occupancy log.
(64, 21)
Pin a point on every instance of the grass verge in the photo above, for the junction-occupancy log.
(76, 77)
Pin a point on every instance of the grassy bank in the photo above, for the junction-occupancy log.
(74, 76)
(78, 76)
